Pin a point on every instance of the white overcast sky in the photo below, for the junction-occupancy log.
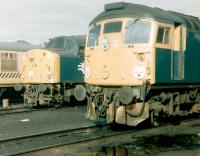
(37, 20)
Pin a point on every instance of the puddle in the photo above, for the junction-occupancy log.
(152, 145)
(196, 125)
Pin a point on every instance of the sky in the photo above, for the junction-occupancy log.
(38, 20)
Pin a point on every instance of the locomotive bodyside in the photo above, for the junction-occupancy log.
(51, 75)
(11, 67)
(142, 63)
(71, 71)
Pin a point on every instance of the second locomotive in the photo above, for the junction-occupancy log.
(53, 75)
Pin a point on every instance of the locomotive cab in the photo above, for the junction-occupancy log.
(134, 55)
(125, 46)
(128, 50)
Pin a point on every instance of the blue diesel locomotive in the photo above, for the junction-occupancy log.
(53, 75)
(142, 63)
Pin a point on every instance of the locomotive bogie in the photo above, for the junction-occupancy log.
(131, 106)
(50, 94)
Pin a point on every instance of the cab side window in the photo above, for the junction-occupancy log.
(163, 35)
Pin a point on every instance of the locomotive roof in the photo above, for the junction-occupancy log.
(18, 46)
(79, 39)
(122, 9)
(67, 45)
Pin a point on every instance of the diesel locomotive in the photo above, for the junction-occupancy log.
(54, 75)
(11, 54)
(142, 64)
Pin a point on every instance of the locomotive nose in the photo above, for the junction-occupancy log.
(41, 66)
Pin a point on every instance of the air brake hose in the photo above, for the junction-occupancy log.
(97, 99)
(138, 114)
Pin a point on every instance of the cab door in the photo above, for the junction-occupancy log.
(178, 53)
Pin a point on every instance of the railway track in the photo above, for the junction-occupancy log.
(19, 109)
(23, 109)
(37, 142)
(65, 138)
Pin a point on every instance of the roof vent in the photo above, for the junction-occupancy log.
(114, 6)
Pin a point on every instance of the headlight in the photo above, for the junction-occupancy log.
(139, 72)
(87, 72)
